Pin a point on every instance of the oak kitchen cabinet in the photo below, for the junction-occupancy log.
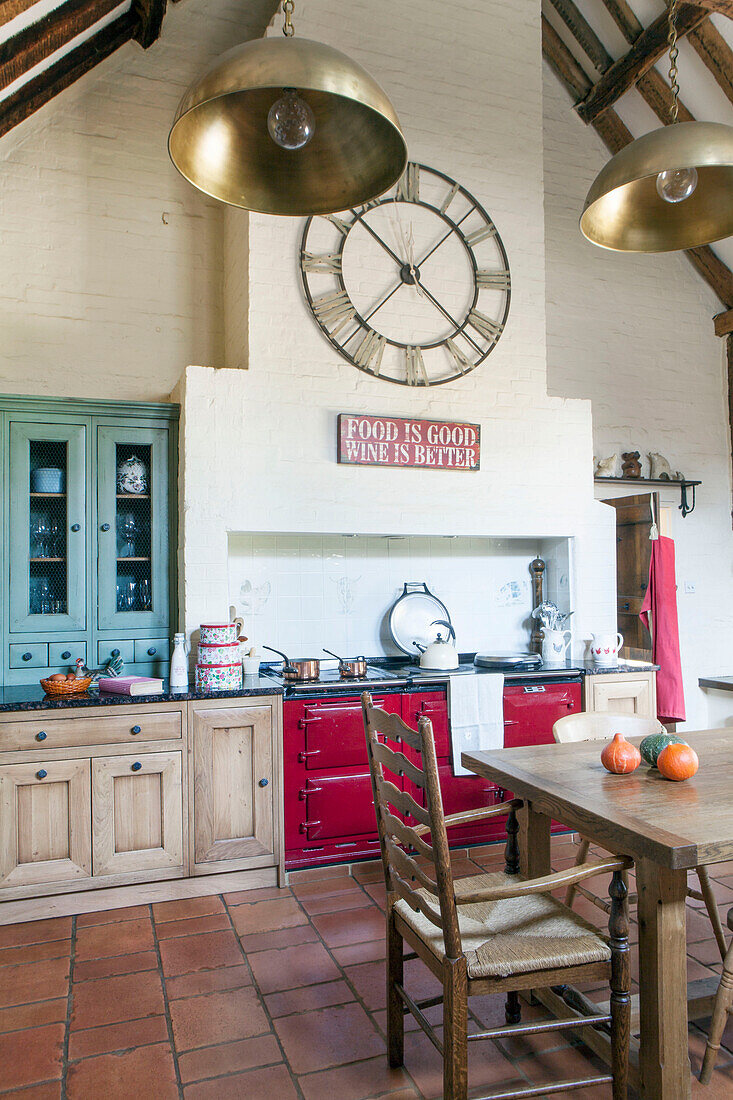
(623, 692)
(86, 571)
(100, 796)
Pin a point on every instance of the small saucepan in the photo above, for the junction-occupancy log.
(354, 669)
(298, 670)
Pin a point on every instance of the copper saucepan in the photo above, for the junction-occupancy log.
(354, 669)
(298, 670)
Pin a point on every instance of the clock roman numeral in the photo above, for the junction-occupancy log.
(459, 357)
(342, 226)
(480, 235)
(490, 330)
(334, 309)
(494, 280)
(408, 188)
(415, 367)
(326, 262)
(449, 197)
(370, 351)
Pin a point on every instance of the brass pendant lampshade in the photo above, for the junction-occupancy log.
(670, 189)
(288, 126)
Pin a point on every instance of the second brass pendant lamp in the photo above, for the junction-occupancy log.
(288, 126)
(670, 189)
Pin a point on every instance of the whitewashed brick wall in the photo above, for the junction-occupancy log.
(634, 335)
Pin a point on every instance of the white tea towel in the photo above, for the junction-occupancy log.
(476, 709)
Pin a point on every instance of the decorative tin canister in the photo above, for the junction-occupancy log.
(219, 653)
(221, 633)
(218, 677)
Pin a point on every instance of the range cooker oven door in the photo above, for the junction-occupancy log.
(531, 710)
(334, 731)
(332, 800)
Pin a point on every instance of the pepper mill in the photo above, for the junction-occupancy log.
(537, 569)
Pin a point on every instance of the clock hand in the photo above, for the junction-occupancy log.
(443, 239)
(452, 320)
(376, 236)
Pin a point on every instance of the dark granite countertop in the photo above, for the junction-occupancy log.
(721, 683)
(31, 696)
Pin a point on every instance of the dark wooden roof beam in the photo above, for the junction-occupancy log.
(713, 50)
(149, 15)
(559, 57)
(724, 323)
(625, 19)
(10, 8)
(583, 33)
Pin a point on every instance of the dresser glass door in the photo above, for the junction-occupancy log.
(47, 527)
(133, 557)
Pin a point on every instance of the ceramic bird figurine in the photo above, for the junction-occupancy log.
(113, 668)
(659, 468)
(606, 467)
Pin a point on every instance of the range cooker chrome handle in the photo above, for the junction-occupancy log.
(306, 825)
(303, 722)
(303, 756)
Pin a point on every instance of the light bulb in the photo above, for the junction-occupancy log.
(677, 184)
(291, 121)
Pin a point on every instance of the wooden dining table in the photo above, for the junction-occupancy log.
(667, 828)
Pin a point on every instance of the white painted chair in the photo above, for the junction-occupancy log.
(601, 727)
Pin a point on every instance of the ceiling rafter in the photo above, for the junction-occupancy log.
(10, 8)
(715, 53)
(150, 15)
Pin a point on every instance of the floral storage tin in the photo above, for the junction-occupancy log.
(221, 653)
(221, 633)
(218, 677)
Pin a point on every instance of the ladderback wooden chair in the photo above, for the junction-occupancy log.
(722, 1005)
(488, 933)
(597, 727)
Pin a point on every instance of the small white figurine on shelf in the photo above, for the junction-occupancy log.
(607, 467)
(659, 468)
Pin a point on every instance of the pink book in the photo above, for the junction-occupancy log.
(131, 685)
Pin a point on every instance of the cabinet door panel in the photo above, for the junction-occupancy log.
(132, 530)
(233, 812)
(623, 695)
(47, 524)
(45, 822)
(137, 813)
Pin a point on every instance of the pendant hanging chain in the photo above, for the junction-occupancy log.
(289, 7)
(673, 53)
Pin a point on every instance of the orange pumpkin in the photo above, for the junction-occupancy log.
(620, 756)
(678, 762)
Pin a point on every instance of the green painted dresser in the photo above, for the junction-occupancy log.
(89, 535)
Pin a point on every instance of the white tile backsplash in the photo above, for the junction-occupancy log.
(301, 592)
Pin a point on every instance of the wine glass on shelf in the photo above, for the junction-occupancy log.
(129, 530)
(55, 540)
(144, 595)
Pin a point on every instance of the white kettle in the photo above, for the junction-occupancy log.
(439, 655)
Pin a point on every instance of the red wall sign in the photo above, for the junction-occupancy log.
(398, 441)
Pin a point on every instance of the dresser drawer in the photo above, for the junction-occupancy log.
(61, 733)
(151, 649)
(66, 653)
(29, 655)
(107, 650)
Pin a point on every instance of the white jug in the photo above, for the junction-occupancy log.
(554, 645)
(604, 648)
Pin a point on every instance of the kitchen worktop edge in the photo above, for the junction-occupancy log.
(720, 683)
(30, 697)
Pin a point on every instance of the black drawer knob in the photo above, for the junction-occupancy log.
(104, 527)
(76, 527)
(136, 766)
(66, 655)
(264, 782)
(115, 652)
(135, 729)
(27, 656)
(41, 735)
(41, 774)
(152, 651)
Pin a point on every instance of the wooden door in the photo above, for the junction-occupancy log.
(622, 693)
(633, 554)
(137, 820)
(233, 785)
(45, 822)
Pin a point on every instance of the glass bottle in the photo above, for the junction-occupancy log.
(179, 663)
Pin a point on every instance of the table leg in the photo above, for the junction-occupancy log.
(534, 842)
(663, 1056)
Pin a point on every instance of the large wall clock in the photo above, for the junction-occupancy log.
(414, 287)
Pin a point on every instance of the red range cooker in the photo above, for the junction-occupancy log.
(329, 814)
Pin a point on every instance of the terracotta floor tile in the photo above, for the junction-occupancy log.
(30, 1056)
(112, 916)
(229, 1058)
(274, 1083)
(187, 907)
(39, 981)
(103, 940)
(35, 931)
(145, 1072)
(308, 997)
(33, 1015)
(333, 903)
(370, 982)
(488, 1069)
(360, 952)
(378, 893)
(290, 967)
(49, 1090)
(368, 871)
(190, 926)
(206, 951)
(310, 874)
(117, 964)
(329, 1037)
(559, 1065)
(122, 1036)
(323, 888)
(355, 926)
(359, 1081)
(35, 952)
(207, 981)
(265, 893)
(110, 1000)
(284, 937)
(264, 916)
(217, 1018)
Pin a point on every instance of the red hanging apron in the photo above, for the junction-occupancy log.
(661, 600)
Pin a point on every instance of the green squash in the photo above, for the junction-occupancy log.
(652, 745)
